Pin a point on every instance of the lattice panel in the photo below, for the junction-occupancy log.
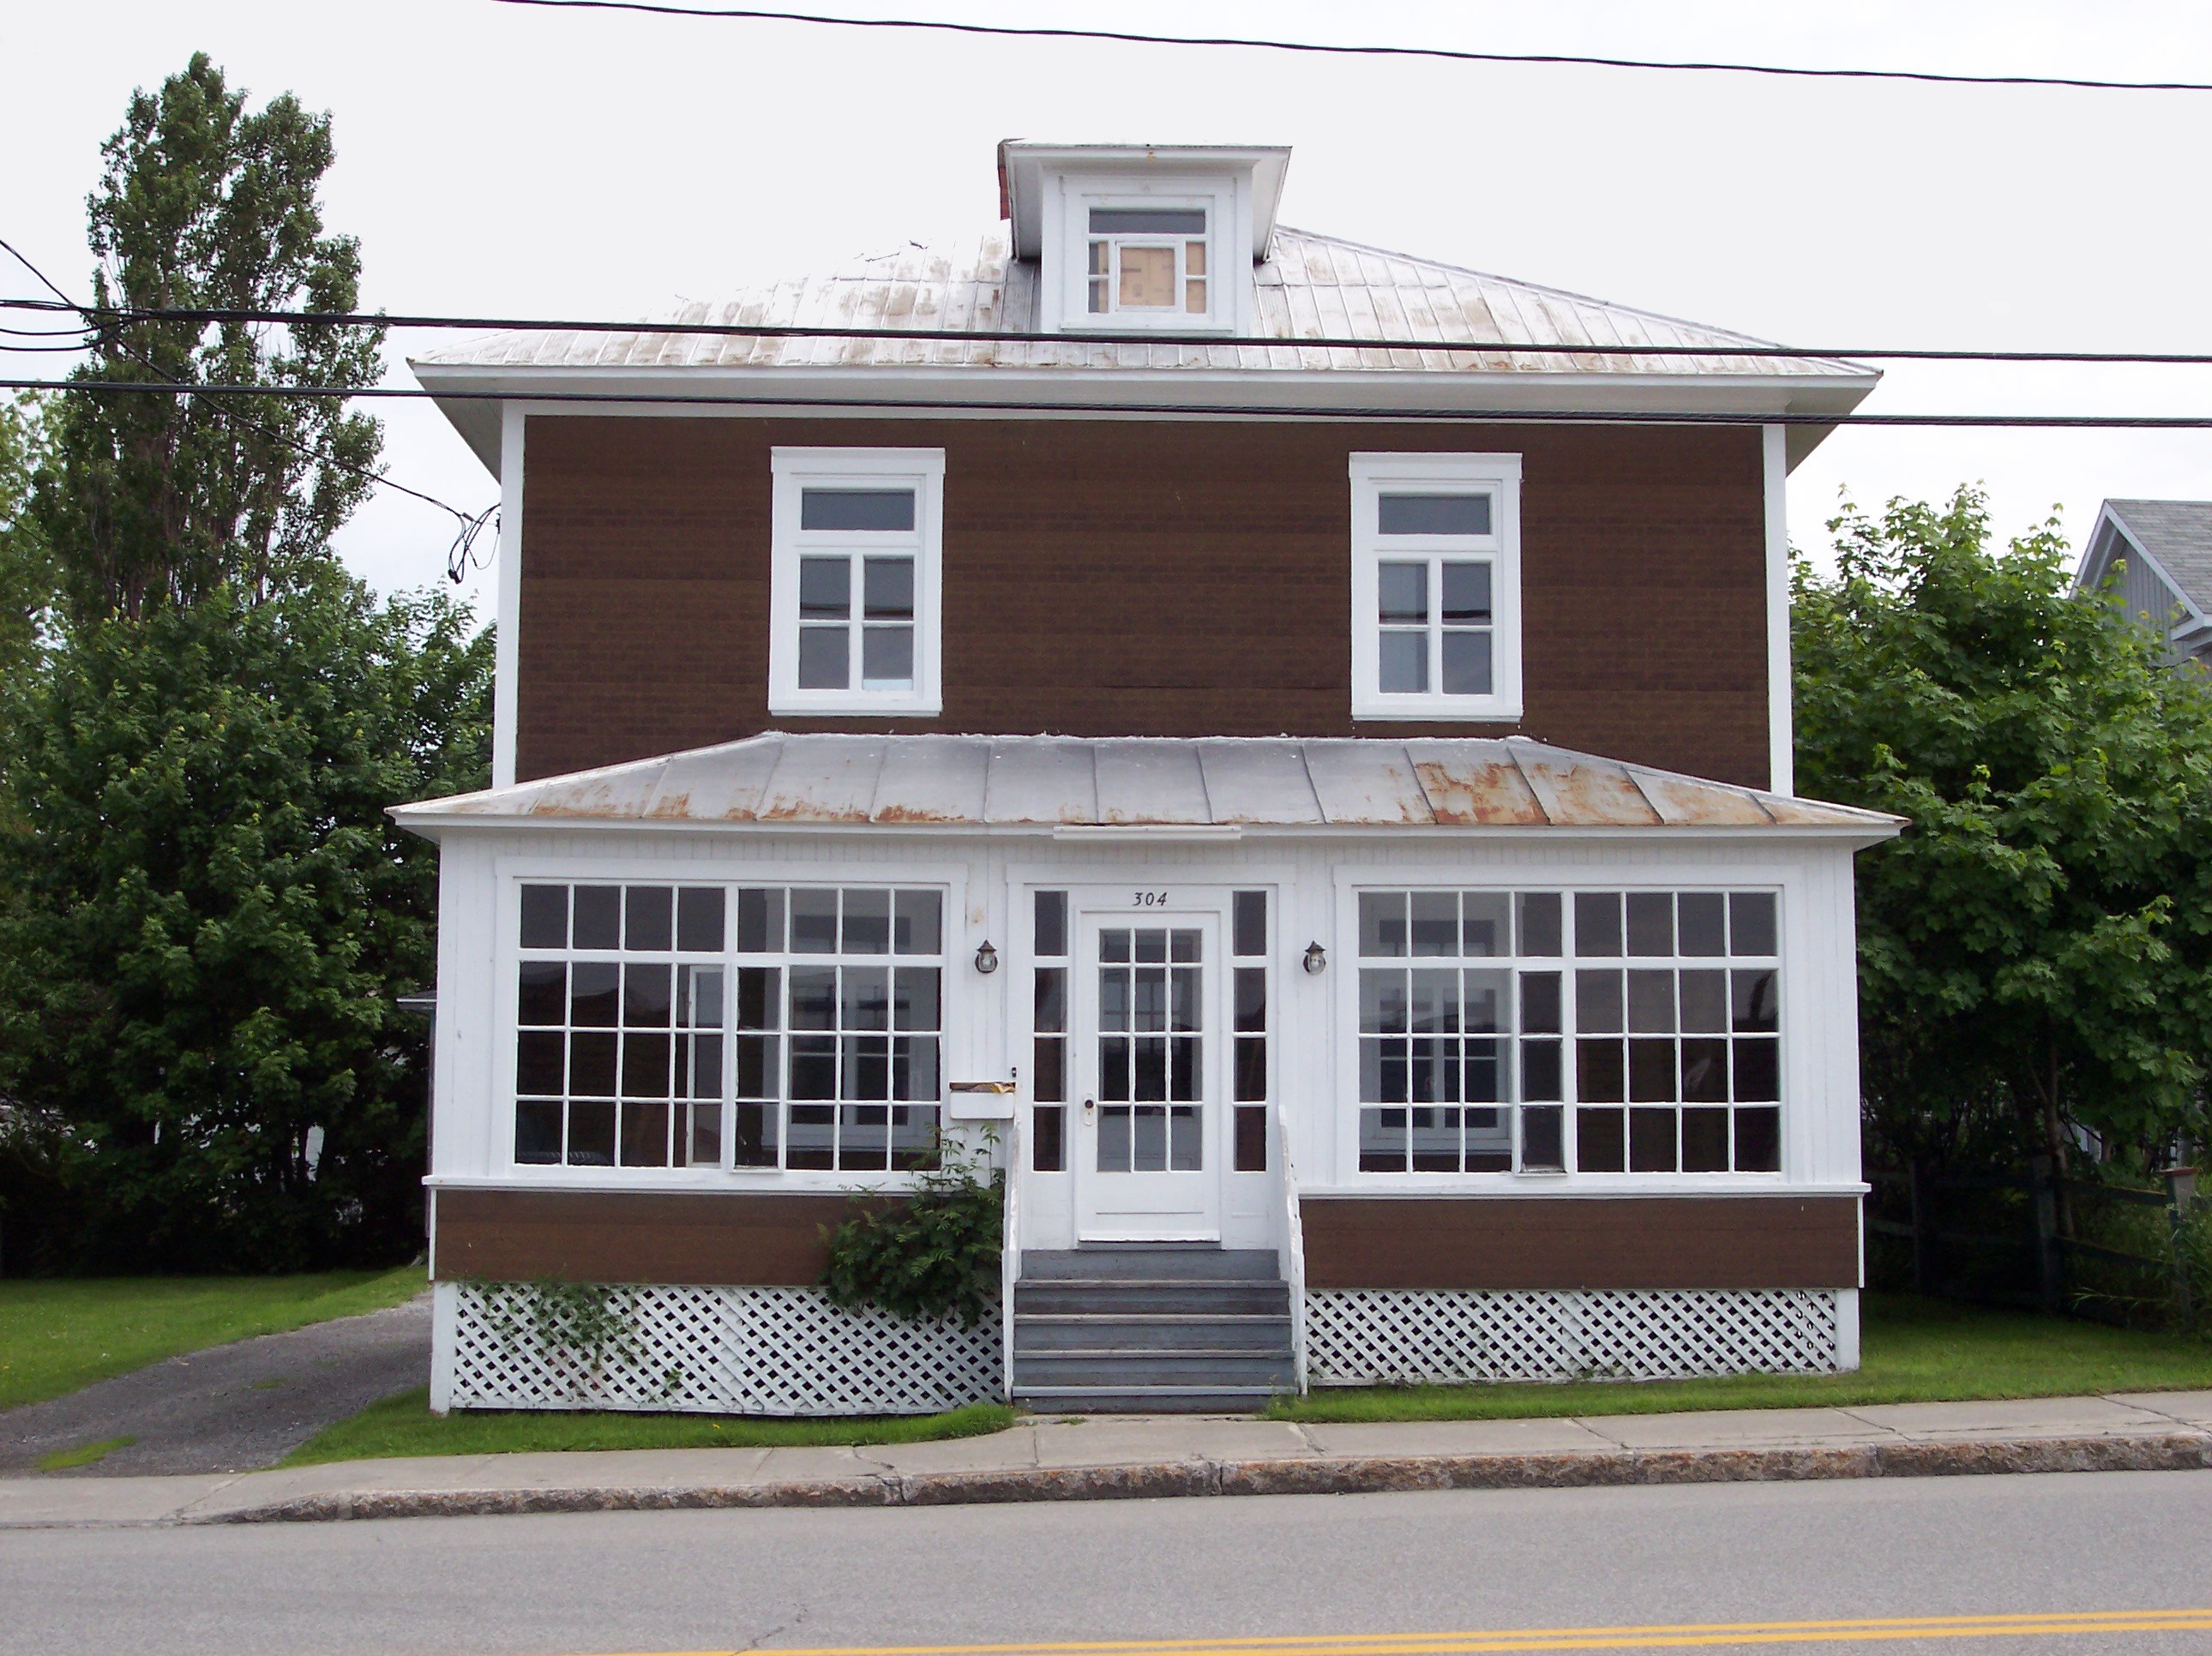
(717, 1350)
(1390, 1337)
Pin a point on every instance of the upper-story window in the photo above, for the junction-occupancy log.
(1436, 586)
(856, 577)
(1148, 259)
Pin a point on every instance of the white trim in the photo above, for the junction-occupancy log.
(1847, 1330)
(792, 468)
(1781, 723)
(1501, 548)
(445, 1326)
(507, 644)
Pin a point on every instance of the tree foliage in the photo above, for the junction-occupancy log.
(206, 915)
(2034, 949)
(202, 204)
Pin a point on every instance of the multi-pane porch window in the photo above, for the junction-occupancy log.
(620, 1008)
(1542, 1031)
(839, 1021)
(1049, 1024)
(1147, 259)
(1248, 943)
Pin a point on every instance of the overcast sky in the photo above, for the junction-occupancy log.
(503, 159)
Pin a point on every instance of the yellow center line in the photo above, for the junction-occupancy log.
(1684, 1635)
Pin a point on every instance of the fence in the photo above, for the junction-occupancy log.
(2117, 1253)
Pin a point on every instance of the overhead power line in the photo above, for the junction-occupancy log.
(1446, 54)
(469, 525)
(1488, 417)
(1025, 337)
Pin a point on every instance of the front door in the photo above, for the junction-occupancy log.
(1149, 1067)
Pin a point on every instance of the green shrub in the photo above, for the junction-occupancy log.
(931, 1255)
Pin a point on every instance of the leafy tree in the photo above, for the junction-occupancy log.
(26, 574)
(206, 915)
(203, 205)
(2033, 951)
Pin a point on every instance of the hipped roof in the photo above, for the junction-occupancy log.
(1102, 783)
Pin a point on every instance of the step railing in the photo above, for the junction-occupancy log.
(1294, 1233)
(1010, 1252)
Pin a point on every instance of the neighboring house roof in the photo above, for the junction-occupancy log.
(1311, 287)
(1102, 784)
(2177, 535)
(2167, 546)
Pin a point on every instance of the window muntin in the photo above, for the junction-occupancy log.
(1542, 1031)
(1147, 260)
(1436, 598)
(809, 1037)
(856, 562)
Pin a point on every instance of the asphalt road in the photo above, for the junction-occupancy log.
(1143, 1570)
(229, 1408)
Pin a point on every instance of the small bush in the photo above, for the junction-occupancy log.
(931, 1255)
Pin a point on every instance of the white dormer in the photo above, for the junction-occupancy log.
(1140, 237)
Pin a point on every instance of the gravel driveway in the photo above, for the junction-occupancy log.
(231, 1407)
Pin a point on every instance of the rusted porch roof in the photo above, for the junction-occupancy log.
(1049, 782)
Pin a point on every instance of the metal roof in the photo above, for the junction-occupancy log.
(1313, 286)
(1047, 782)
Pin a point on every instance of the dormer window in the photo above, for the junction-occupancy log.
(1148, 259)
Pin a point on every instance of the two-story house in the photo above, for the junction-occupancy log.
(1171, 697)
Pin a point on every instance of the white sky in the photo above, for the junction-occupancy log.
(500, 159)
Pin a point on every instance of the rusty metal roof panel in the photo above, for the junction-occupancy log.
(1047, 781)
(1311, 287)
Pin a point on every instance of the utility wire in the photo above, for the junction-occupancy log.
(1493, 416)
(458, 557)
(1439, 53)
(1021, 336)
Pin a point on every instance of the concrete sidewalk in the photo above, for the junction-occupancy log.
(1107, 1458)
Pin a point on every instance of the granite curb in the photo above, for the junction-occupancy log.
(1373, 1475)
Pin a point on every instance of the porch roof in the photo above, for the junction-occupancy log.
(1101, 784)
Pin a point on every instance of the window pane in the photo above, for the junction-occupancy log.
(1540, 1002)
(1466, 663)
(1251, 999)
(755, 1137)
(856, 508)
(1050, 1014)
(545, 917)
(1543, 1140)
(1148, 221)
(759, 997)
(1597, 923)
(917, 925)
(1401, 593)
(1251, 1068)
(1193, 297)
(1194, 260)
(1704, 1071)
(1488, 930)
(825, 588)
(540, 1056)
(1651, 1003)
(1466, 594)
(1600, 1146)
(1599, 1078)
(646, 924)
(824, 658)
(866, 1001)
(887, 589)
(1651, 923)
(1382, 1003)
(813, 998)
(1403, 667)
(1249, 928)
(867, 922)
(645, 1067)
(760, 922)
(1703, 932)
(645, 996)
(699, 919)
(813, 1130)
(1432, 514)
(542, 997)
(1705, 1002)
(592, 1065)
(1651, 1141)
(1751, 920)
(1540, 922)
(1704, 1141)
(1049, 1081)
(1597, 1003)
(1435, 922)
(1758, 1141)
(594, 991)
(813, 922)
(591, 1135)
(1651, 1073)
(1048, 1140)
(598, 917)
(536, 1134)
(886, 657)
(1758, 1070)
(1051, 924)
(1755, 999)
(1382, 1141)
(1148, 278)
(1252, 1139)
(1382, 924)
(1541, 1076)
(914, 999)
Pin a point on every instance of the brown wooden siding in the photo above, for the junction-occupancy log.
(1140, 578)
(717, 1238)
(1661, 1241)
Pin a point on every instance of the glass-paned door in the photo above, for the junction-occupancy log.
(1152, 1055)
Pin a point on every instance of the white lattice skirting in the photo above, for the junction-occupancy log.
(1386, 1336)
(714, 1350)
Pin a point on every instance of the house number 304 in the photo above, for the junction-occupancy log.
(1148, 900)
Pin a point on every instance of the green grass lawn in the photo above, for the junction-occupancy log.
(58, 1334)
(1910, 1351)
(404, 1426)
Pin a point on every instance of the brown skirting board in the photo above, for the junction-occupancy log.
(1628, 1241)
(709, 1238)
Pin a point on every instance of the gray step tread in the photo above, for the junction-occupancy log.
(1180, 1319)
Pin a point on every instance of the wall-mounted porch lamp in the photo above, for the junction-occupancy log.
(1316, 958)
(986, 958)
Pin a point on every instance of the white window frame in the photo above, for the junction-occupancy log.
(795, 468)
(1499, 475)
(1225, 231)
